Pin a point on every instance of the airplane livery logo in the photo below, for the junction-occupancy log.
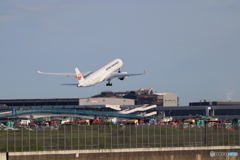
(79, 77)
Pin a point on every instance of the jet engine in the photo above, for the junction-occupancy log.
(122, 78)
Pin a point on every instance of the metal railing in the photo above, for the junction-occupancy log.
(79, 137)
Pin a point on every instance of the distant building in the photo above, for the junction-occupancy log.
(105, 101)
(40, 102)
(145, 96)
(213, 103)
(169, 99)
(139, 97)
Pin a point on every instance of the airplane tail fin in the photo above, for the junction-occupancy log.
(79, 75)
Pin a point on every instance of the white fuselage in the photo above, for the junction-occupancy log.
(102, 73)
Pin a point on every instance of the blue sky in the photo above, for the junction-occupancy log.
(190, 48)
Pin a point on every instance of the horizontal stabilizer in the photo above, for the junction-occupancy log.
(70, 84)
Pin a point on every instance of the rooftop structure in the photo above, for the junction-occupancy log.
(213, 103)
(145, 96)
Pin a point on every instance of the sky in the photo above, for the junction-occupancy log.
(189, 48)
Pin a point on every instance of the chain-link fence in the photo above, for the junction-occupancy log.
(76, 137)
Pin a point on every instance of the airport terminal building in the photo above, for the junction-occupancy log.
(140, 102)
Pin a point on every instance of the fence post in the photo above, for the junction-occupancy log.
(211, 135)
(142, 136)
(14, 140)
(71, 136)
(148, 136)
(58, 138)
(36, 139)
(124, 137)
(85, 128)
(233, 136)
(172, 134)
(178, 135)
(91, 137)
(195, 127)
(238, 136)
(228, 138)
(160, 129)
(117, 136)
(183, 137)
(43, 139)
(206, 139)
(111, 135)
(98, 136)
(189, 136)
(50, 128)
(78, 137)
(29, 139)
(22, 137)
(223, 136)
(217, 134)
(7, 140)
(154, 135)
(166, 134)
(105, 136)
(136, 135)
(130, 136)
(64, 126)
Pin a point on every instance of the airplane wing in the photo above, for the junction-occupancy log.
(63, 74)
(121, 75)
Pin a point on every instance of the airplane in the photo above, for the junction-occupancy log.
(105, 73)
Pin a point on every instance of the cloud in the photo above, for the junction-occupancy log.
(54, 24)
(8, 18)
(35, 6)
